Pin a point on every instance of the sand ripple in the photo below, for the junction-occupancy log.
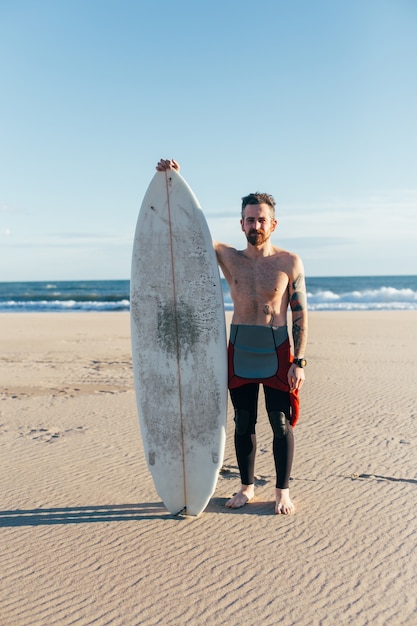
(86, 540)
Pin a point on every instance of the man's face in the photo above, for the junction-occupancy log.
(257, 223)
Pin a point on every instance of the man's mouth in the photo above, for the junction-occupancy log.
(255, 236)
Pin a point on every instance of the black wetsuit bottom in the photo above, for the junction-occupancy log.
(246, 398)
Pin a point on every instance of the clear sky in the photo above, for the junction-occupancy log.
(314, 101)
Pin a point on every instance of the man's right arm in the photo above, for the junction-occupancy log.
(223, 254)
(220, 248)
(168, 164)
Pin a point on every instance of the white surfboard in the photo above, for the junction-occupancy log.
(178, 345)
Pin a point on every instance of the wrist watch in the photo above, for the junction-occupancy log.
(300, 362)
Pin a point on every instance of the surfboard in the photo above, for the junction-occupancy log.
(178, 345)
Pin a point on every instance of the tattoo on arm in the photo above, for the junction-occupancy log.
(298, 299)
(299, 335)
(296, 334)
(298, 282)
(298, 304)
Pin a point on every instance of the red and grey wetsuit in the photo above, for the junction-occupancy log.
(261, 354)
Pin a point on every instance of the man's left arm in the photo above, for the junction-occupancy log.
(298, 305)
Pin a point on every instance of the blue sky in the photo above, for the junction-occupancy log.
(313, 101)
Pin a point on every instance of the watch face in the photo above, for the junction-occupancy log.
(300, 362)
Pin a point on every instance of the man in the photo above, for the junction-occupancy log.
(263, 281)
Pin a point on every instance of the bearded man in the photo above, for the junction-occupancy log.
(264, 281)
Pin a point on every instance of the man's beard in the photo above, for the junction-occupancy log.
(256, 238)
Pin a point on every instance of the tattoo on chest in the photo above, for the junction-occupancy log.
(269, 310)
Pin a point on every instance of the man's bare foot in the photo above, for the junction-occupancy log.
(240, 498)
(283, 505)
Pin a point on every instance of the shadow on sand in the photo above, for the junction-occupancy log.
(118, 513)
(85, 514)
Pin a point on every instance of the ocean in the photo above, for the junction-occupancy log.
(355, 293)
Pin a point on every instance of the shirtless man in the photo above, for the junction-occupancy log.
(263, 281)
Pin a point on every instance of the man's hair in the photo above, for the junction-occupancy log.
(259, 198)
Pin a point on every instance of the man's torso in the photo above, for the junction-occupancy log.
(258, 287)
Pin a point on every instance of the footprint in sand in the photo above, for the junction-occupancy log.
(49, 435)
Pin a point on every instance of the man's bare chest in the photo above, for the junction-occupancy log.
(262, 278)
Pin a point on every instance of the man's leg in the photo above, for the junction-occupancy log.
(278, 408)
(245, 403)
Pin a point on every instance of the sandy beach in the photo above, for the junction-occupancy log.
(86, 540)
